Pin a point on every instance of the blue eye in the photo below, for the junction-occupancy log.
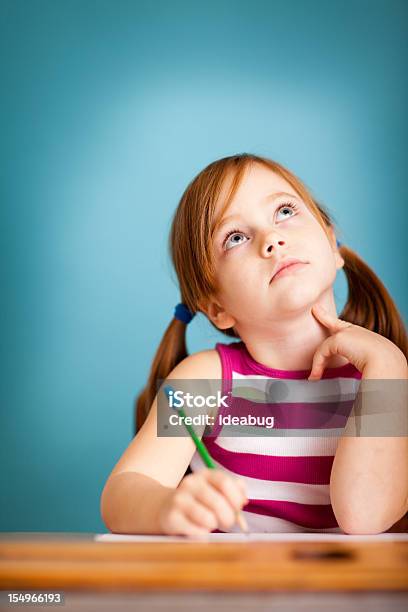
(288, 205)
(235, 232)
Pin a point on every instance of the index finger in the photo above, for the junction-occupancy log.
(333, 323)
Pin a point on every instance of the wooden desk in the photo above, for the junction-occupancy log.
(76, 564)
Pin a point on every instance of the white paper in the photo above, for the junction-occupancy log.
(254, 537)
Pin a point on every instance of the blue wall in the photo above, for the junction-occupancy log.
(110, 108)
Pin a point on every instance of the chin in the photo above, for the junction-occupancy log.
(297, 300)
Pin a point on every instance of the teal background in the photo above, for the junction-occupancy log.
(109, 108)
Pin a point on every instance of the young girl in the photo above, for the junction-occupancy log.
(258, 255)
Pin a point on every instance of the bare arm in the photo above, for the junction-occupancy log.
(131, 503)
(152, 466)
(369, 479)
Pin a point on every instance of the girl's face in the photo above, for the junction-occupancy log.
(270, 223)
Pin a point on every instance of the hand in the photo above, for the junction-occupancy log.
(357, 344)
(203, 501)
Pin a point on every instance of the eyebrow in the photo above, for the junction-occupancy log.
(268, 198)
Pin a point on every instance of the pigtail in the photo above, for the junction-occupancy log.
(171, 351)
(369, 304)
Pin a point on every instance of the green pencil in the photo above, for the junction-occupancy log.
(203, 452)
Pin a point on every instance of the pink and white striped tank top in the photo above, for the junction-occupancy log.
(286, 473)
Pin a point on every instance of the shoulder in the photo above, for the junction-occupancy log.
(203, 364)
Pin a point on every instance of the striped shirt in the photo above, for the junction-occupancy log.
(286, 473)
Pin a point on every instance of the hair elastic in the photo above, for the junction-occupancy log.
(339, 244)
(182, 313)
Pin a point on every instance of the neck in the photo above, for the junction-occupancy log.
(290, 344)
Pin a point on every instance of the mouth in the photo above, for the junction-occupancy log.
(288, 268)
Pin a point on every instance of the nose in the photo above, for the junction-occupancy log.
(270, 242)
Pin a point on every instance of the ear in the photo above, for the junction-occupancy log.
(332, 238)
(217, 315)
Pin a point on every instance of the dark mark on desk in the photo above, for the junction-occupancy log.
(313, 553)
